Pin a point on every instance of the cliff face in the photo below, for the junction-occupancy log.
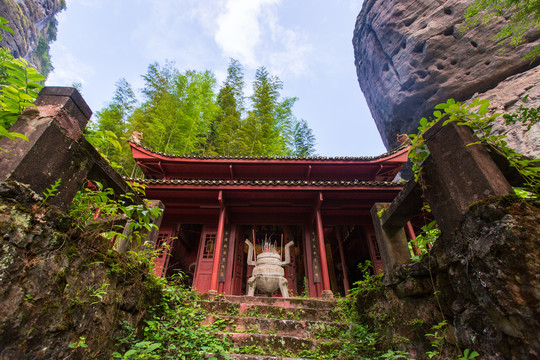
(34, 24)
(410, 55)
(59, 286)
(483, 281)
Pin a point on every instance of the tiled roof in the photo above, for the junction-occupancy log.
(337, 158)
(351, 183)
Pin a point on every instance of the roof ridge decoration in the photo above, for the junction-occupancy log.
(221, 157)
(262, 182)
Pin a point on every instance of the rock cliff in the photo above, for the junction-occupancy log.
(61, 286)
(411, 55)
(34, 24)
(483, 281)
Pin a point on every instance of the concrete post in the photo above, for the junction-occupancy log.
(392, 241)
(56, 148)
(457, 175)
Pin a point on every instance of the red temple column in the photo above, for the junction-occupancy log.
(326, 292)
(217, 249)
(412, 237)
(343, 264)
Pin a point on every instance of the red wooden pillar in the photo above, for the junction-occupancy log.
(217, 249)
(343, 264)
(412, 237)
(326, 292)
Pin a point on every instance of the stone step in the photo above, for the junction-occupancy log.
(261, 357)
(288, 303)
(300, 328)
(275, 345)
(270, 311)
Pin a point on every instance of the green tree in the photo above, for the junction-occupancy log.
(182, 114)
(522, 15)
(114, 117)
(303, 140)
(224, 138)
(266, 131)
(178, 111)
(110, 132)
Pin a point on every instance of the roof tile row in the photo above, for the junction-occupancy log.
(262, 182)
(338, 158)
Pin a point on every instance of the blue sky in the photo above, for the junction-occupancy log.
(306, 43)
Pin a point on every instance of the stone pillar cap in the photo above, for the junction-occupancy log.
(67, 98)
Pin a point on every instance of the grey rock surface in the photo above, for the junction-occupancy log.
(411, 55)
(29, 19)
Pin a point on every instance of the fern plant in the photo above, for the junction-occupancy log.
(19, 87)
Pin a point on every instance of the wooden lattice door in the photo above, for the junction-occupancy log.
(205, 260)
(164, 248)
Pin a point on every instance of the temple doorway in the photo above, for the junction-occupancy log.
(343, 264)
(272, 238)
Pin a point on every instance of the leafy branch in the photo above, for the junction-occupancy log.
(20, 86)
(96, 202)
(50, 191)
(520, 16)
(476, 116)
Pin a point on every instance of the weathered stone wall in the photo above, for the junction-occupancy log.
(30, 19)
(50, 279)
(486, 279)
(411, 55)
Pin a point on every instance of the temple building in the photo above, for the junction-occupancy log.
(213, 204)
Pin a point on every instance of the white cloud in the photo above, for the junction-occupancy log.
(68, 69)
(179, 30)
(239, 29)
(292, 50)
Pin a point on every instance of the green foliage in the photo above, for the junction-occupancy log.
(109, 134)
(520, 16)
(89, 205)
(369, 283)
(476, 116)
(267, 129)
(224, 138)
(427, 236)
(395, 355)
(4, 27)
(99, 293)
(437, 339)
(19, 83)
(178, 111)
(42, 52)
(303, 139)
(181, 114)
(81, 343)
(467, 355)
(19, 91)
(173, 330)
(360, 342)
(51, 191)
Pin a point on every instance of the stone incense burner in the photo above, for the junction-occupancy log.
(268, 274)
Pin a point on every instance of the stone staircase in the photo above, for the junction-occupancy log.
(261, 328)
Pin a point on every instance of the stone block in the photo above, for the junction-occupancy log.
(392, 241)
(56, 148)
(457, 175)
